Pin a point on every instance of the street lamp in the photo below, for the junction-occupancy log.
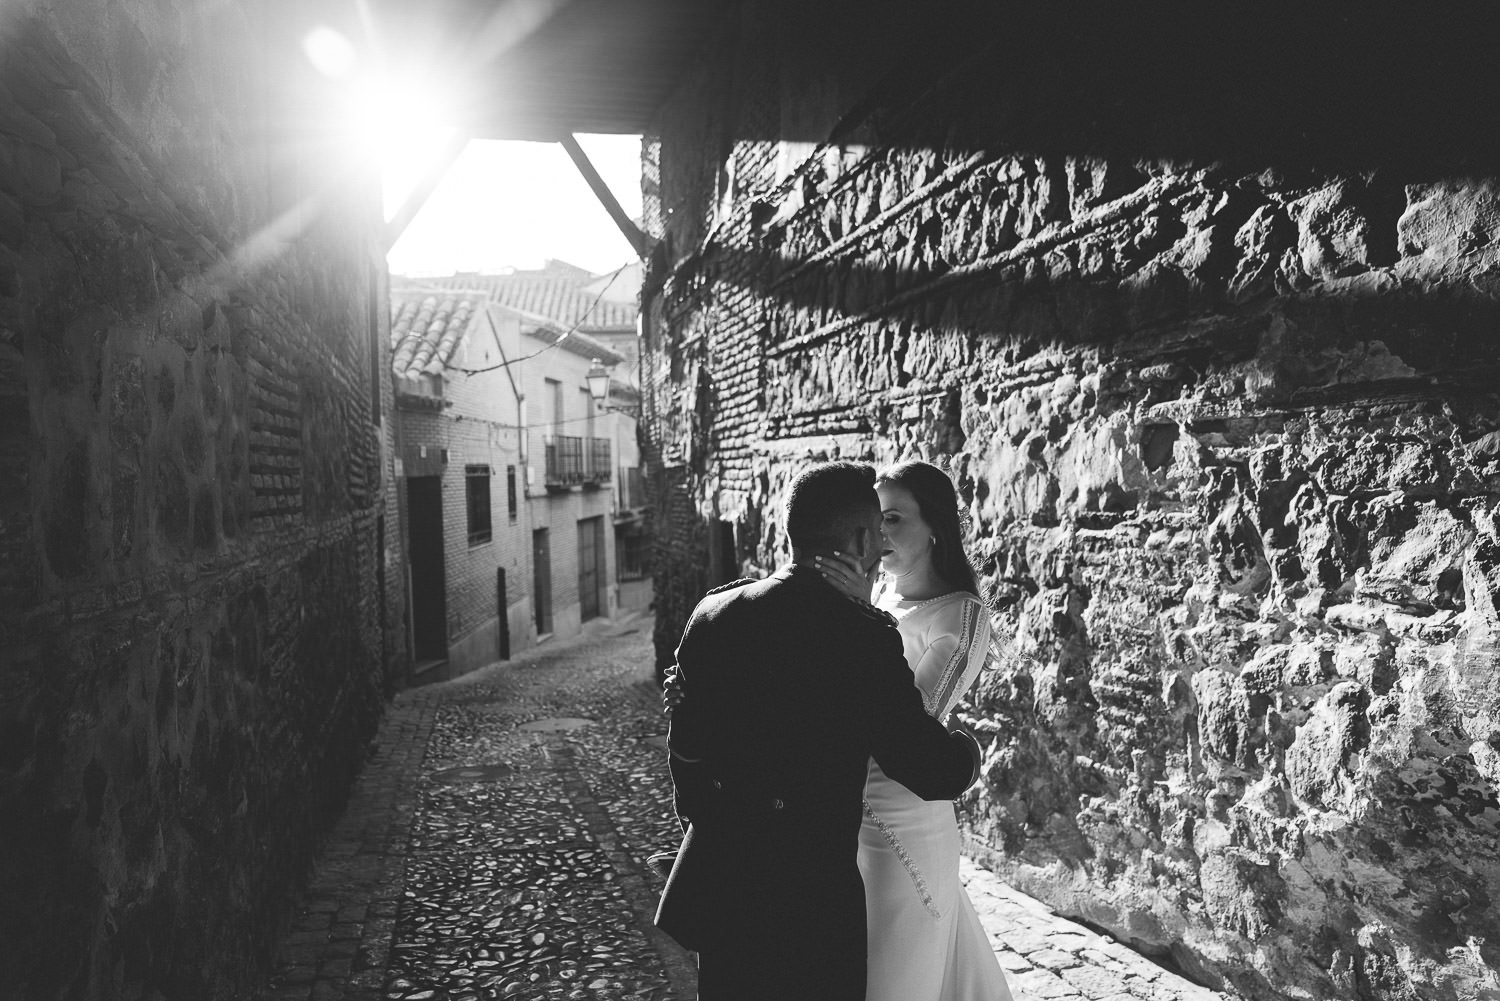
(599, 387)
(598, 379)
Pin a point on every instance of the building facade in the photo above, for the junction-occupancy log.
(571, 472)
(512, 475)
(465, 525)
(605, 310)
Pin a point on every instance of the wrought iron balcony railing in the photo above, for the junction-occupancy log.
(574, 461)
(599, 466)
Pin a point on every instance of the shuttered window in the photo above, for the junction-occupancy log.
(477, 490)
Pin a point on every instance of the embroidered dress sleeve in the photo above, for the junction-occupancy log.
(951, 662)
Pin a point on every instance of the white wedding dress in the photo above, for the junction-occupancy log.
(926, 942)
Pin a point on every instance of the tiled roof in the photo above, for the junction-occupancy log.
(558, 293)
(426, 330)
(428, 323)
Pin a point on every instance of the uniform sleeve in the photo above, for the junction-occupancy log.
(910, 746)
(687, 745)
(959, 646)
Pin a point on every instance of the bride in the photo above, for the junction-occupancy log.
(925, 940)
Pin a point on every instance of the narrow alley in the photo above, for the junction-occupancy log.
(494, 847)
(1197, 314)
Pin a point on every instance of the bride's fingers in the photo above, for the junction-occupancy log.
(833, 572)
(850, 564)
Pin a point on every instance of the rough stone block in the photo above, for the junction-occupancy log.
(1053, 957)
(1043, 984)
(1093, 982)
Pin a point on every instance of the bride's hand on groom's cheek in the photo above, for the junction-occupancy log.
(845, 573)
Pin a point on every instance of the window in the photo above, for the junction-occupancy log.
(477, 486)
(510, 491)
(632, 487)
(630, 556)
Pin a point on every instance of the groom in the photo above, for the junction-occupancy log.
(789, 688)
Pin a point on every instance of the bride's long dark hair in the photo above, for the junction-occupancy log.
(937, 501)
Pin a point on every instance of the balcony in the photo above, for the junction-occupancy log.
(573, 461)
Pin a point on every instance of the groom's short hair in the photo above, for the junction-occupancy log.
(827, 502)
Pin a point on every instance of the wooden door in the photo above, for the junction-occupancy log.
(590, 568)
(541, 580)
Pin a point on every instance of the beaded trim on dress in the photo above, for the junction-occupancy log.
(907, 862)
(959, 672)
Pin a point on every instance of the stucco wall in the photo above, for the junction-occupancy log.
(195, 645)
(1225, 424)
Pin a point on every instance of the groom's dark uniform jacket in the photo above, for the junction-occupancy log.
(790, 688)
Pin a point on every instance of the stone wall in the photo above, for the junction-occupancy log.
(194, 640)
(1217, 380)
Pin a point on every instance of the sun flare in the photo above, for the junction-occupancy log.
(402, 129)
(396, 122)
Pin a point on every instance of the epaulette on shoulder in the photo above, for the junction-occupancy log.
(870, 611)
(731, 585)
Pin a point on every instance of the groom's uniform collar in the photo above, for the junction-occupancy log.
(807, 573)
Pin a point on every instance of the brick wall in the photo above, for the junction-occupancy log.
(194, 639)
(1213, 366)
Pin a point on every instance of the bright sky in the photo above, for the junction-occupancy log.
(515, 204)
(500, 204)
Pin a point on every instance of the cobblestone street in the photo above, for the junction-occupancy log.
(494, 847)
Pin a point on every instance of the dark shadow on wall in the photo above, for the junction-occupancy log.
(1318, 85)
